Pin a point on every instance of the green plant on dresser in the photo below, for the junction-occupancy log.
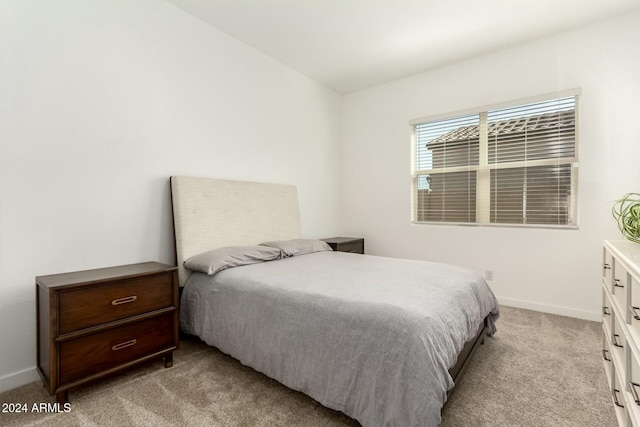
(626, 212)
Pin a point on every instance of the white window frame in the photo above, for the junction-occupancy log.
(484, 168)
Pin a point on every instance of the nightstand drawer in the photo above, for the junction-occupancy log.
(346, 244)
(92, 354)
(96, 305)
(356, 247)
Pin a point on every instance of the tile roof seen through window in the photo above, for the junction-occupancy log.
(533, 124)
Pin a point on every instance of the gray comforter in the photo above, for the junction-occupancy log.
(372, 337)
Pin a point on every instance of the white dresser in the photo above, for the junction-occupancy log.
(621, 327)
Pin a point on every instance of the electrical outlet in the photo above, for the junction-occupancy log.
(488, 274)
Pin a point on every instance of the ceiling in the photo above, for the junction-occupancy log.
(350, 45)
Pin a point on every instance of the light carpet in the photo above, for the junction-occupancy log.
(539, 370)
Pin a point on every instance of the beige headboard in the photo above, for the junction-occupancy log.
(213, 213)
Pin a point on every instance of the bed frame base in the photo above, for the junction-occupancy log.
(466, 354)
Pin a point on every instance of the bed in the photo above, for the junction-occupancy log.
(381, 339)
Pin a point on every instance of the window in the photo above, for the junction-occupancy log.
(515, 165)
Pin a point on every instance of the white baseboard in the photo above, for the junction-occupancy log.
(18, 379)
(553, 309)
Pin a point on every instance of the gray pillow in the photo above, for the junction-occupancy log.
(299, 246)
(211, 262)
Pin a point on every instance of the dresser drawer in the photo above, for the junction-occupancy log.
(634, 308)
(619, 399)
(620, 286)
(607, 267)
(633, 388)
(607, 312)
(102, 351)
(618, 343)
(95, 305)
(607, 358)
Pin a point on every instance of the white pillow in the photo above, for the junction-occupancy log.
(299, 246)
(216, 260)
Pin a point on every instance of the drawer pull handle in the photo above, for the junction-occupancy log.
(616, 283)
(606, 266)
(124, 300)
(634, 312)
(604, 355)
(614, 340)
(632, 387)
(606, 312)
(615, 398)
(123, 345)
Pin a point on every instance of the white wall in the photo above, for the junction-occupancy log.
(551, 270)
(100, 102)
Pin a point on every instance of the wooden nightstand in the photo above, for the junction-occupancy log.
(95, 323)
(346, 244)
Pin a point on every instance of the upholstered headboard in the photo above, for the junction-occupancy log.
(213, 213)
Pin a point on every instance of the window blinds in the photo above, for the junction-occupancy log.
(514, 165)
